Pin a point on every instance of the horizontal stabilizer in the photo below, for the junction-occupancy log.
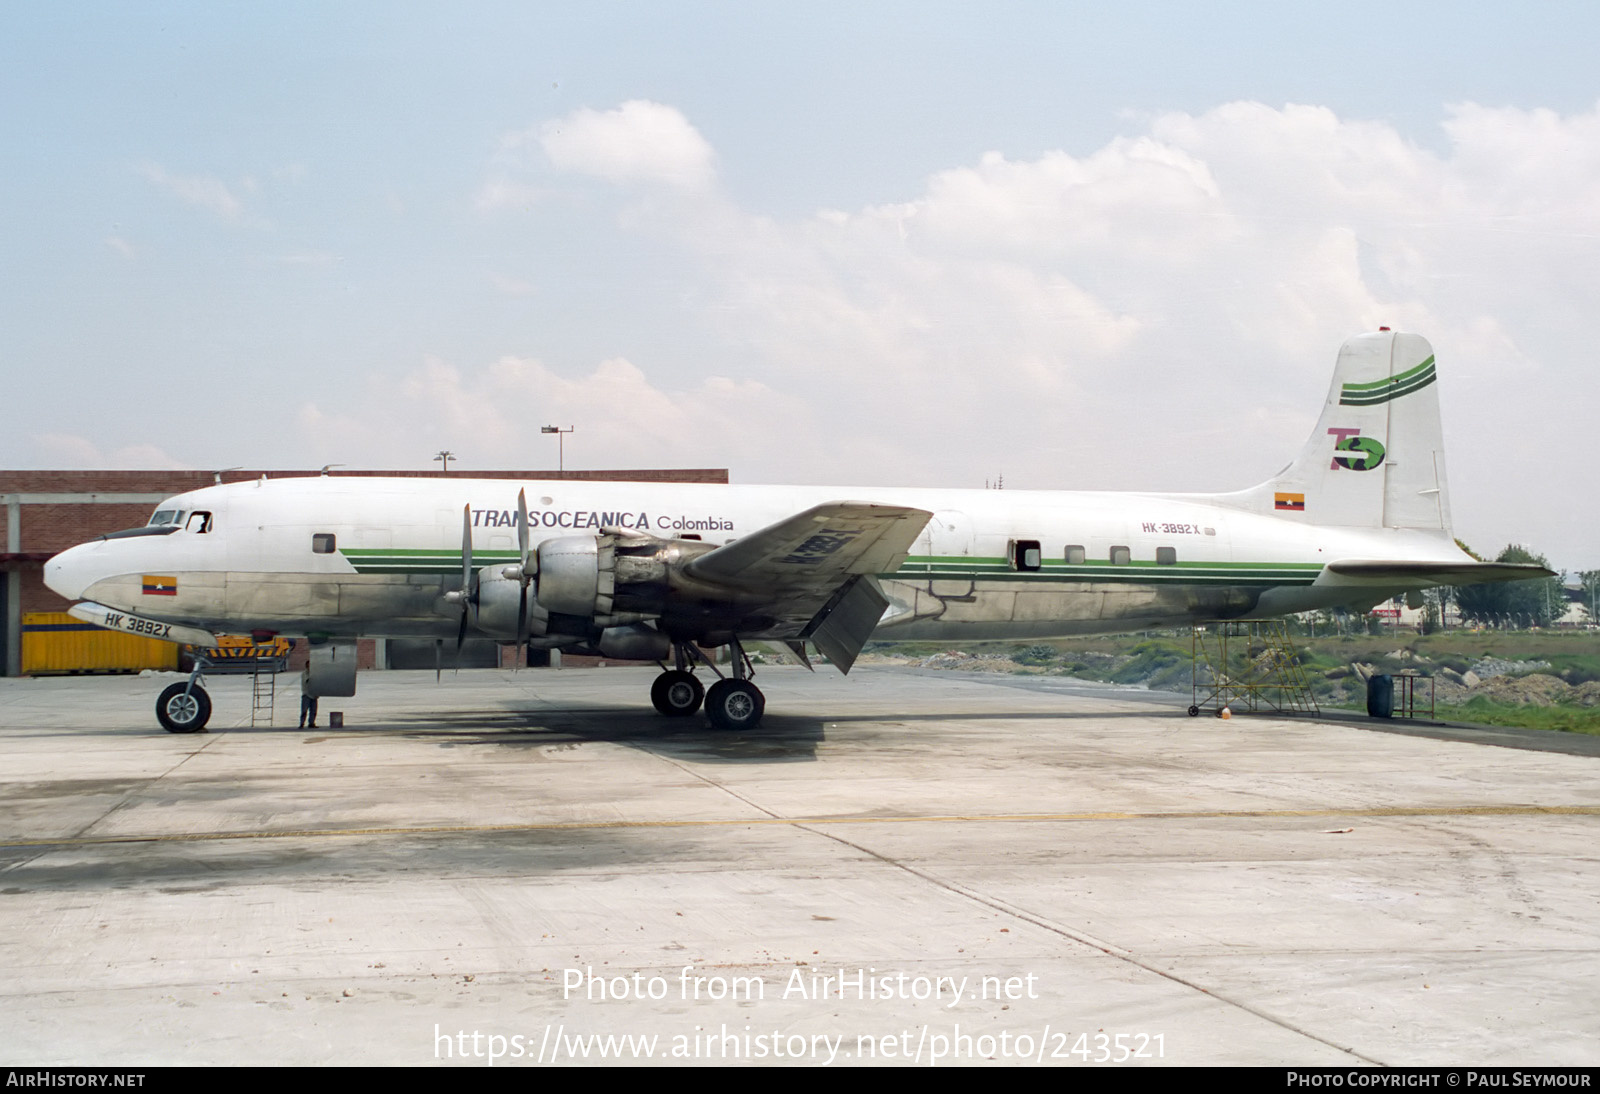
(1438, 573)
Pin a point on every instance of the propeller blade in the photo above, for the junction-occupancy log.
(466, 548)
(523, 535)
(523, 550)
(466, 579)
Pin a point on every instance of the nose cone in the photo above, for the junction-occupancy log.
(72, 571)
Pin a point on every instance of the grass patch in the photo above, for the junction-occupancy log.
(1561, 719)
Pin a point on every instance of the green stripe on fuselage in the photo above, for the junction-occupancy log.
(922, 568)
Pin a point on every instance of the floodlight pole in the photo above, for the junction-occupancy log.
(561, 444)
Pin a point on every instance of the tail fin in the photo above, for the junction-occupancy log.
(1376, 458)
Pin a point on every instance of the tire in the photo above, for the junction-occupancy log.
(677, 694)
(735, 705)
(1194, 712)
(182, 709)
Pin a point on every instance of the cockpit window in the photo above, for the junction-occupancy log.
(165, 516)
(199, 521)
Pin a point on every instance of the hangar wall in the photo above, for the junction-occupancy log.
(49, 511)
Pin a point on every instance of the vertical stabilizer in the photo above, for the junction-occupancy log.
(1376, 457)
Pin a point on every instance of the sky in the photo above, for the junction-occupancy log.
(1070, 246)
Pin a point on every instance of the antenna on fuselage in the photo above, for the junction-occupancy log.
(326, 466)
(216, 476)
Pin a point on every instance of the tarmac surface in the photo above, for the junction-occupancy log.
(896, 867)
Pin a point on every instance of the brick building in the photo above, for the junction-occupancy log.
(49, 511)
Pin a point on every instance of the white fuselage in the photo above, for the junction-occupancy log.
(345, 557)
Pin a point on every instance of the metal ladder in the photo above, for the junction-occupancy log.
(263, 691)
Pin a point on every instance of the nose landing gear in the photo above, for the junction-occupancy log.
(185, 707)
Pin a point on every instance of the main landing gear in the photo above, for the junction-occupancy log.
(732, 703)
(185, 708)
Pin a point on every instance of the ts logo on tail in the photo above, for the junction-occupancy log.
(1354, 452)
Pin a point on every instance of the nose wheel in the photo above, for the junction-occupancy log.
(184, 708)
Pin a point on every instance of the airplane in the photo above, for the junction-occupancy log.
(652, 571)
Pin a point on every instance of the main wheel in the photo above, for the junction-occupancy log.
(182, 709)
(735, 705)
(676, 693)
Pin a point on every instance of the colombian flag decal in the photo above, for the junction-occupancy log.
(1291, 503)
(159, 585)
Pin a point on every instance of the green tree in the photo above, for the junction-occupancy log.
(1537, 602)
(1591, 593)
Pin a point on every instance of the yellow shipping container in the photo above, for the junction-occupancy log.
(54, 642)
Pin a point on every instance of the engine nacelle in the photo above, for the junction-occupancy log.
(495, 609)
(611, 579)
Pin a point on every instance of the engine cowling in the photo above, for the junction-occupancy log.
(611, 579)
(577, 575)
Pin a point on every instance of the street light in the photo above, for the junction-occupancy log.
(561, 444)
(445, 458)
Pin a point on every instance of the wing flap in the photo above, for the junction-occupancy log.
(845, 623)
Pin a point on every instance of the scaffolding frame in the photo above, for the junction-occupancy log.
(1252, 665)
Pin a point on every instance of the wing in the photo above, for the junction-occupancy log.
(812, 574)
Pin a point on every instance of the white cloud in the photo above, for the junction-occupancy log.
(490, 416)
(200, 191)
(501, 192)
(1162, 312)
(69, 450)
(638, 141)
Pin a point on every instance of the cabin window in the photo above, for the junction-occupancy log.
(199, 521)
(1166, 556)
(1120, 556)
(1025, 554)
(691, 535)
(322, 543)
(1075, 555)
